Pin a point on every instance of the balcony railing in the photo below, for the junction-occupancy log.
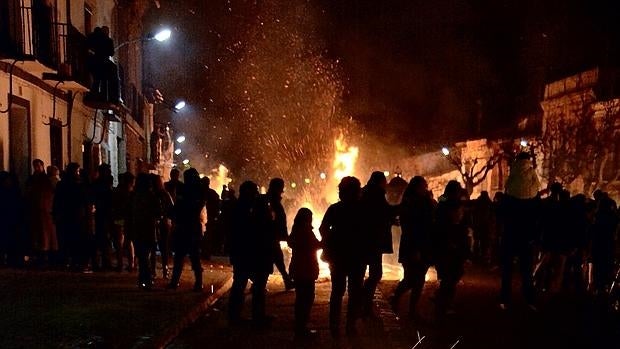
(27, 31)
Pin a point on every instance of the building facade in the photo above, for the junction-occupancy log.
(48, 77)
(581, 139)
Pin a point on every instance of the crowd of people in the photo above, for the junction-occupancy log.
(561, 242)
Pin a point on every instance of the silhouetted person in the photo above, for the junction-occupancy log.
(105, 71)
(120, 208)
(450, 241)
(344, 248)
(174, 185)
(482, 224)
(39, 195)
(279, 229)
(164, 224)
(417, 211)
(395, 190)
(53, 173)
(519, 213)
(101, 190)
(555, 222)
(226, 217)
(212, 239)
(378, 217)
(70, 211)
(304, 269)
(579, 225)
(142, 218)
(602, 242)
(251, 253)
(188, 228)
(11, 207)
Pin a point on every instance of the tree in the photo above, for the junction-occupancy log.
(578, 139)
(474, 170)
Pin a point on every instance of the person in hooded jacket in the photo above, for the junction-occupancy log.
(345, 247)
(187, 216)
(251, 253)
(304, 268)
(143, 214)
(378, 216)
(519, 211)
(417, 211)
(451, 244)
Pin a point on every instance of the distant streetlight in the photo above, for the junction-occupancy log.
(523, 143)
(181, 139)
(307, 180)
(163, 35)
(323, 175)
(186, 161)
(177, 151)
(179, 105)
(386, 173)
(445, 151)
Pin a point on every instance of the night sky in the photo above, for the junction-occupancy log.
(410, 71)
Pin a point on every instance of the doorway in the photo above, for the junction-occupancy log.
(19, 138)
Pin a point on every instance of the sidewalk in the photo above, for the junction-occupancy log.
(52, 309)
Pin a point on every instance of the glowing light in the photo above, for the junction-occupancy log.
(293, 185)
(202, 175)
(177, 151)
(322, 175)
(181, 139)
(523, 143)
(186, 161)
(163, 35)
(386, 173)
(445, 151)
(307, 180)
(180, 105)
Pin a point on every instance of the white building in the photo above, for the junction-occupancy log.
(45, 76)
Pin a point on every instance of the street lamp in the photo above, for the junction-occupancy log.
(186, 161)
(445, 151)
(177, 151)
(181, 139)
(179, 105)
(523, 143)
(163, 35)
(160, 36)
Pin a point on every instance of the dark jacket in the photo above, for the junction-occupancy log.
(144, 212)
(251, 237)
(186, 214)
(280, 231)
(378, 217)
(343, 236)
(416, 221)
(304, 263)
(71, 203)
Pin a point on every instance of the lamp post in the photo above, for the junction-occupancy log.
(160, 36)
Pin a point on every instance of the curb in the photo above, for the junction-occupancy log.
(170, 334)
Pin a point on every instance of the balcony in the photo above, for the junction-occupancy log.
(28, 34)
(41, 46)
(72, 69)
